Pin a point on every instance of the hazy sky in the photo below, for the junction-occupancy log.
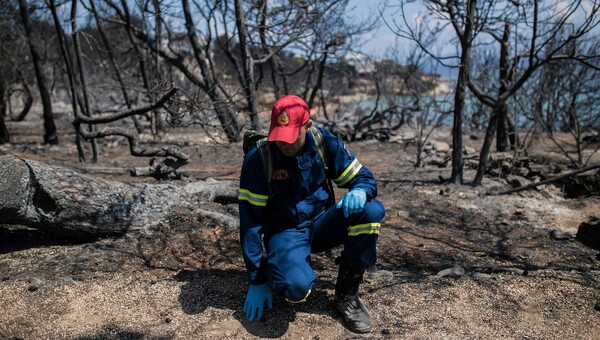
(377, 42)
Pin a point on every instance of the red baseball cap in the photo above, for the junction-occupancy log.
(287, 117)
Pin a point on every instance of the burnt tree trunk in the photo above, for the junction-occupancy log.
(505, 77)
(50, 135)
(63, 201)
(82, 80)
(249, 80)
(466, 36)
(71, 76)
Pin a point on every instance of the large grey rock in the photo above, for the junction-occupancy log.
(517, 181)
(441, 146)
(589, 233)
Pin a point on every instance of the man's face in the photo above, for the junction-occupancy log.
(292, 149)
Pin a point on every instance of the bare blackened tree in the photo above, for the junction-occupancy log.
(113, 64)
(50, 135)
(324, 53)
(167, 166)
(538, 27)
(466, 20)
(568, 103)
(318, 31)
(172, 51)
(209, 81)
(82, 77)
(6, 68)
(13, 83)
(247, 61)
(262, 32)
(544, 42)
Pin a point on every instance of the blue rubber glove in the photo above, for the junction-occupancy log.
(353, 201)
(255, 301)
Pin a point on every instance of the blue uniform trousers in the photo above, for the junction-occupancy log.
(287, 264)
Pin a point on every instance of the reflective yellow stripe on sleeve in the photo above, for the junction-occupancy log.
(349, 173)
(252, 198)
(365, 228)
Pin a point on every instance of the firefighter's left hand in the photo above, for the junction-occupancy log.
(353, 201)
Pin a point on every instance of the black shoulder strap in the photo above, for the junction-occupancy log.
(264, 150)
(323, 155)
(318, 138)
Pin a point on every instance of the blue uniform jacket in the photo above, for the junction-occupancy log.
(298, 193)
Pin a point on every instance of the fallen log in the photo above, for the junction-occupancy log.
(61, 200)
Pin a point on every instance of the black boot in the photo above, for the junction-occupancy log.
(346, 299)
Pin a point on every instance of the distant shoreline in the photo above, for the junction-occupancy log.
(441, 88)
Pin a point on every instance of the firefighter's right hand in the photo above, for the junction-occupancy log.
(256, 298)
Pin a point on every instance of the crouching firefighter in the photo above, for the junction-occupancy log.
(286, 204)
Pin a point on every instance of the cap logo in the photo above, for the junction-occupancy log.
(283, 119)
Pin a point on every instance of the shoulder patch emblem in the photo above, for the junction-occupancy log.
(283, 119)
(348, 153)
(279, 175)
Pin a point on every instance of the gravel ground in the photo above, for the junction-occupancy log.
(404, 304)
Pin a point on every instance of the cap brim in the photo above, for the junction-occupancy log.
(287, 134)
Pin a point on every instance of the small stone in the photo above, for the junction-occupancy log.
(32, 288)
(66, 279)
(455, 271)
(597, 306)
(561, 235)
(494, 172)
(481, 275)
(522, 171)
(380, 274)
(403, 213)
(168, 320)
(35, 281)
(519, 211)
(386, 331)
(467, 150)
(513, 271)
